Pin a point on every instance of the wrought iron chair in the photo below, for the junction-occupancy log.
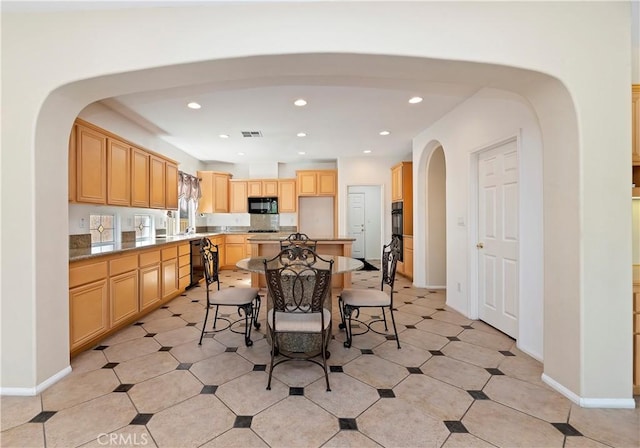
(298, 239)
(247, 300)
(298, 282)
(351, 300)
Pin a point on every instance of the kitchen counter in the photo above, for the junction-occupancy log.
(266, 237)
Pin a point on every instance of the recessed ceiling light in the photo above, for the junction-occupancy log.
(240, 153)
(385, 132)
(300, 102)
(301, 153)
(193, 105)
(223, 136)
(367, 151)
(301, 134)
(415, 100)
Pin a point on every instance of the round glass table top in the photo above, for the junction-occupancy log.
(340, 264)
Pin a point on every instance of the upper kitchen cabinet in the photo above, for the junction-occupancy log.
(238, 196)
(287, 199)
(635, 117)
(157, 178)
(118, 172)
(140, 161)
(262, 188)
(72, 163)
(214, 186)
(316, 182)
(91, 165)
(401, 182)
(171, 186)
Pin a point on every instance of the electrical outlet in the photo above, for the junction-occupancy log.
(459, 287)
(82, 223)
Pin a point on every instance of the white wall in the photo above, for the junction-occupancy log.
(491, 115)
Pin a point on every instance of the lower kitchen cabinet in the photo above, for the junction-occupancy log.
(235, 249)
(169, 278)
(123, 296)
(150, 291)
(88, 312)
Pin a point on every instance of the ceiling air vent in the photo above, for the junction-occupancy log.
(250, 134)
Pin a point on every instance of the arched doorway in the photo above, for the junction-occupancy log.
(436, 222)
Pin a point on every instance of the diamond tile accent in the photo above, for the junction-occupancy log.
(243, 421)
(184, 366)
(567, 429)
(165, 349)
(506, 353)
(42, 417)
(390, 337)
(349, 424)
(194, 301)
(164, 307)
(455, 426)
(478, 395)
(467, 327)
(123, 388)
(336, 369)
(176, 315)
(366, 351)
(139, 323)
(436, 352)
(209, 390)
(386, 393)
(413, 327)
(231, 349)
(150, 335)
(427, 317)
(260, 368)
(415, 370)
(192, 324)
(110, 365)
(141, 419)
(101, 347)
(453, 338)
(493, 371)
(296, 391)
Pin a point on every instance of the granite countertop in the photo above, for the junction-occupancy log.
(279, 236)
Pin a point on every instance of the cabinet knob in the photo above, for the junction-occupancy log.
(480, 245)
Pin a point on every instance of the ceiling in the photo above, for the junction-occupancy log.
(342, 118)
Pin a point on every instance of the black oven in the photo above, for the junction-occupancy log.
(197, 267)
(396, 223)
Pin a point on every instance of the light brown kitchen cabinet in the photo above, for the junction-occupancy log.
(262, 188)
(91, 166)
(118, 172)
(169, 272)
(184, 266)
(238, 196)
(150, 279)
(88, 302)
(123, 288)
(214, 186)
(254, 188)
(635, 124)
(171, 186)
(270, 188)
(157, 174)
(402, 190)
(235, 249)
(140, 161)
(316, 182)
(406, 266)
(72, 163)
(287, 199)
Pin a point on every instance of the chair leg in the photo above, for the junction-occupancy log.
(215, 319)
(348, 311)
(384, 317)
(324, 360)
(342, 324)
(395, 330)
(256, 311)
(273, 355)
(204, 325)
(248, 320)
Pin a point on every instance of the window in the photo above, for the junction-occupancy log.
(102, 229)
(187, 212)
(142, 224)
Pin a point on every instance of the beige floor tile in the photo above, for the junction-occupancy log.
(191, 423)
(149, 366)
(480, 356)
(307, 425)
(408, 355)
(164, 391)
(340, 355)
(368, 340)
(416, 310)
(482, 326)
(402, 319)
(80, 388)
(129, 436)
(237, 438)
(376, 372)
(351, 439)
(29, 435)
(192, 352)
(219, 369)
(248, 394)
(88, 360)
(258, 353)
(124, 335)
(452, 317)
(85, 422)
(18, 410)
(178, 336)
(164, 324)
(506, 427)
(531, 399)
(461, 440)
(131, 349)
(445, 402)
(196, 317)
(348, 397)
(615, 427)
(583, 442)
(393, 422)
(423, 339)
(457, 373)
(488, 340)
(186, 307)
(522, 367)
(439, 327)
(231, 339)
(297, 373)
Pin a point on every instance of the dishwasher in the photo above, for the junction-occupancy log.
(197, 267)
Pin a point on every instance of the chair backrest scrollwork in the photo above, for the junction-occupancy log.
(210, 261)
(390, 256)
(298, 239)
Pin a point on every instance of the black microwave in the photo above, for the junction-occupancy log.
(263, 206)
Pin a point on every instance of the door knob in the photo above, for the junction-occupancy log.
(480, 246)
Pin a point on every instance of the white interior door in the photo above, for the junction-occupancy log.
(498, 237)
(355, 223)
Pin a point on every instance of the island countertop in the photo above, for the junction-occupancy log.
(276, 237)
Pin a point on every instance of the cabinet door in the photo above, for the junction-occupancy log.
(307, 181)
(635, 124)
(221, 193)
(91, 166)
(169, 278)
(118, 173)
(123, 295)
(270, 188)
(72, 164)
(238, 197)
(88, 312)
(233, 253)
(157, 182)
(327, 183)
(150, 286)
(171, 183)
(396, 183)
(287, 196)
(139, 178)
(254, 188)
(205, 205)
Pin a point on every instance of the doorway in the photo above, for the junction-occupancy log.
(364, 218)
(436, 222)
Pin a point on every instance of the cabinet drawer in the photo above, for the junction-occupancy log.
(235, 239)
(183, 282)
(123, 264)
(184, 260)
(184, 271)
(184, 249)
(80, 275)
(169, 253)
(407, 243)
(149, 258)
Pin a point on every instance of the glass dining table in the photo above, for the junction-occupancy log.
(302, 342)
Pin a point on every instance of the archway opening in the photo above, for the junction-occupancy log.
(436, 222)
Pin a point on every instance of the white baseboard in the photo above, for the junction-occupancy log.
(435, 287)
(32, 391)
(615, 403)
